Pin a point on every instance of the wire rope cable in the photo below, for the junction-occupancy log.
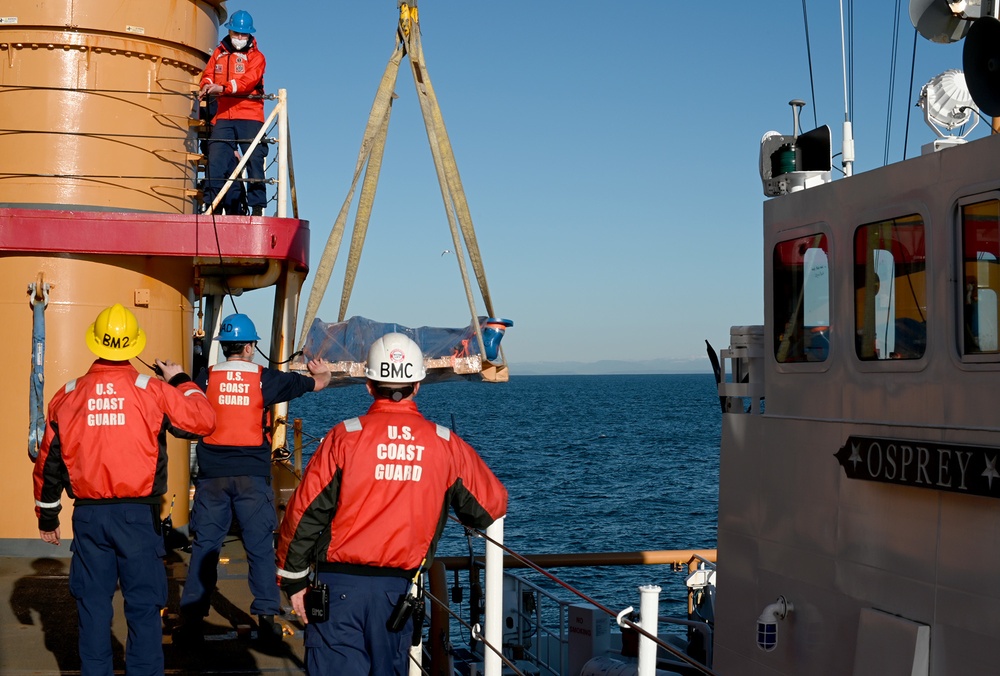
(850, 52)
(893, 53)
(913, 67)
(538, 569)
(473, 632)
(809, 58)
(843, 62)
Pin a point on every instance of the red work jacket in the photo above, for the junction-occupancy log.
(105, 436)
(240, 73)
(382, 484)
(234, 391)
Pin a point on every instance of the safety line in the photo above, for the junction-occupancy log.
(669, 648)
(474, 632)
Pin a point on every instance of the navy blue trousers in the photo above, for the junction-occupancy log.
(354, 641)
(216, 501)
(222, 160)
(118, 544)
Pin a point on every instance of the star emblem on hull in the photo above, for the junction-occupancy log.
(855, 455)
(991, 470)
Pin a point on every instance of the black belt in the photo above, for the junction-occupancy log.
(367, 571)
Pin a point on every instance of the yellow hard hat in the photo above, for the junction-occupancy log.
(115, 334)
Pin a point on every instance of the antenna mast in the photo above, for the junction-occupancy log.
(847, 153)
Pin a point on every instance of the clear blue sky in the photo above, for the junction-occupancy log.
(609, 152)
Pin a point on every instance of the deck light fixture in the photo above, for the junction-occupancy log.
(767, 623)
(947, 104)
(942, 21)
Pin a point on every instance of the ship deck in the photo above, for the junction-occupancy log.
(38, 622)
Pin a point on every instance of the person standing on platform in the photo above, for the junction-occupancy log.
(369, 512)
(235, 77)
(105, 445)
(234, 475)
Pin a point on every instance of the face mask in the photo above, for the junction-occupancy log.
(239, 43)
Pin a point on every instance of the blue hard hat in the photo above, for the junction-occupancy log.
(241, 22)
(237, 329)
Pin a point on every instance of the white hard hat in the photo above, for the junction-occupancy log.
(395, 358)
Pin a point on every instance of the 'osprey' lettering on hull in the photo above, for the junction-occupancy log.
(923, 464)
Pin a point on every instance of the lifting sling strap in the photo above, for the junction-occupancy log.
(370, 160)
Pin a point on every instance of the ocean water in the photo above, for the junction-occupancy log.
(609, 463)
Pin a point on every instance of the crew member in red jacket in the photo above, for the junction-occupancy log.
(235, 77)
(234, 476)
(105, 444)
(369, 511)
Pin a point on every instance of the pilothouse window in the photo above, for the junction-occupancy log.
(890, 299)
(802, 299)
(981, 284)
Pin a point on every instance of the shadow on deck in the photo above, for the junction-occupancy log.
(38, 622)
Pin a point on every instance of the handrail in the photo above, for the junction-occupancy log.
(702, 628)
(622, 621)
(494, 595)
(246, 156)
(285, 175)
(283, 153)
(473, 629)
(675, 557)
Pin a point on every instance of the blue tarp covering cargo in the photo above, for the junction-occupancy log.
(448, 352)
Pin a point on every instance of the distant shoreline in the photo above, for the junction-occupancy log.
(612, 367)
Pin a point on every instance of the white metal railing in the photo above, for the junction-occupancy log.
(284, 310)
(549, 629)
(279, 113)
(494, 598)
(541, 631)
(492, 637)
